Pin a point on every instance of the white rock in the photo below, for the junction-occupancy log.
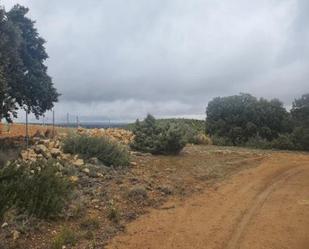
(5, 224)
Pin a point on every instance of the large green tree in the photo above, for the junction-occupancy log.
(24, 82)
(300, 115)
(241, 117)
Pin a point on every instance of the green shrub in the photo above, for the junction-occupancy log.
(170, 140)
(65, 237)
(300, 138)
(221, 141)
(158, 139)
(107, 151)
(258, 143)
(34, 189)
(10, 186)
(283, 142)
(113, 213)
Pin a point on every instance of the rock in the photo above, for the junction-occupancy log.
(55, 152)
(28, 155)
(44, 142)
(40, 149)
(78, 162)
(94, 161)
(86, 170)
(133, 164)
(74, 179)
(57, 144)
(16, 235)
(59, 166)
(65, 157)
(100, 175)
(5, 224)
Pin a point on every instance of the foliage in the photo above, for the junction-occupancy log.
(107, 151)
(158, 139)
(34, 189)
(65, 237)
(300, 111)
(283, 142)
(10, 187)
(221, 141)
(241, 117)
(201, 139)
(300, 138)
(198, 126)
(258, 143)
(300, 116)
(113, 213)
(24, 82)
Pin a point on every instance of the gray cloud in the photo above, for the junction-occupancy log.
(123, 58)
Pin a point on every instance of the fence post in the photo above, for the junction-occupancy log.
(53, 134)
(77, 121)
(27, 131)
(68, 119)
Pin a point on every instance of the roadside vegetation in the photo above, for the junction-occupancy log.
(167, 136)
(33, 189)
(109, 152)
(155, 138)
(243, 120)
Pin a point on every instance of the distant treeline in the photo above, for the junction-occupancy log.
(248, 121)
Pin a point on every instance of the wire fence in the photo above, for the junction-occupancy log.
(27, 129)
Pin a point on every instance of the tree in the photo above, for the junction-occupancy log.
(25, 83)
(9, 44)
(300, 116)
(240, 117)
(300, 111)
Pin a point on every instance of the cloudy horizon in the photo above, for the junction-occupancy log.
(119, 60)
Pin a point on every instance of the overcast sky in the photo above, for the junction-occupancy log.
(121, 59)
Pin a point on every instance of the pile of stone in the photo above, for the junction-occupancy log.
(120, 135)
(43, 149)
(46, 149)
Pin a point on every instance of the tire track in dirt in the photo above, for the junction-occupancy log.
(233, 215)
(257, 204)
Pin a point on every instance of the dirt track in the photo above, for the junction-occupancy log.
(264, 207)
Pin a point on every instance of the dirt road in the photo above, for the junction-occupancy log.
(264, 207)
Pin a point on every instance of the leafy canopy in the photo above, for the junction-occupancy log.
(240, 117)
(24, 82)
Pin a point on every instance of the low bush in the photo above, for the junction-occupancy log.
(300, 138)
(202, 139)
(34, 189)
(10, 187)
(258, 143)
(137, 194)
(113, 213)
(66, 237)
(283, 142)
(221, 141)
(107, 151)
(158, 139)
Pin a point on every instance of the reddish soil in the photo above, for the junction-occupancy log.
(19, 130)
(263, 207)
